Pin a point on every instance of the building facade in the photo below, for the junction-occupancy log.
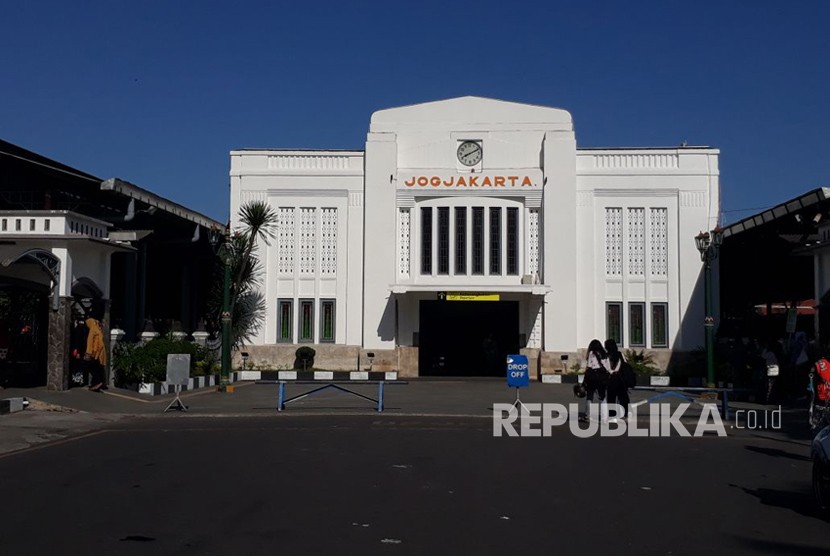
(471, 228)
(70, 241)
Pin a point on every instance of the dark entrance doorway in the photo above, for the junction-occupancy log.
(24, 334)
(467, 338)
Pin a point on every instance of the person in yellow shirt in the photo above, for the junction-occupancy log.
(96, 352)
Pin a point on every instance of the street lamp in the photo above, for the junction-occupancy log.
(225, 256)
(708, 243)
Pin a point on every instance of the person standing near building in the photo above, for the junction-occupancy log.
(596, 378)
(617, 387)
(772, 369)
(96, 352)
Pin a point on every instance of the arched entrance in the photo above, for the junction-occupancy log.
(24, 333)
(28, 289)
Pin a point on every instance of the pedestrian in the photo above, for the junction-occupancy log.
(78, 367)
(772, 369)
(95, 354)
(617, 381)
(596, 379)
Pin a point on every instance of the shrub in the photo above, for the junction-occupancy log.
(134, 363)
(641, 362)
(304, 358)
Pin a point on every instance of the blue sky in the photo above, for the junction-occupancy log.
(157, 93)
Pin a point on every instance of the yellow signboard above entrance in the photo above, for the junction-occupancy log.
(469, 296)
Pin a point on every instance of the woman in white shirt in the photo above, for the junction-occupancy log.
(617, 389)
(596, 377)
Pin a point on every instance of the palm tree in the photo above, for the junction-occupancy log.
(247, 304)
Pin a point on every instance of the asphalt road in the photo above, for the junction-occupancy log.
(404, 485)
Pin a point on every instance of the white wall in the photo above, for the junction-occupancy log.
(307, 179)
(573, 187)
(685, 181)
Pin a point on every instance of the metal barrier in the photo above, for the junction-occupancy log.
(334, 384)
(674, 391)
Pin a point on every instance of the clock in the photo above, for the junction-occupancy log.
(469, 153)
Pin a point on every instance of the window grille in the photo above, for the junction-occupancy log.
(613, 241)
(285, 240)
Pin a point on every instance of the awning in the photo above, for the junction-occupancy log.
(530, 289)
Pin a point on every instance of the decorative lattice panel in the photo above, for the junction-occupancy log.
(403, 242)
(535, 339)
(659, 242)
(533, 241)
(285, 240)
(636, 241)
(328, 241)
(308, 240)
(613, 241)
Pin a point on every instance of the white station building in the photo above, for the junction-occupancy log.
(472, 228)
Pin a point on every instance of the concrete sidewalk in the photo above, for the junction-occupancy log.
(58, 415)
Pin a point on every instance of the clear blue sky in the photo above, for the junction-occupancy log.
(157, 93)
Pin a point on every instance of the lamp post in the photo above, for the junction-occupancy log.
(708, 243)
(225, 256)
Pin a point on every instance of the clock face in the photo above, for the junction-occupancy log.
(469, 153)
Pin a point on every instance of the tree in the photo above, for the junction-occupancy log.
(247, 304)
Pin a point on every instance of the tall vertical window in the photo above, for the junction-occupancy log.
(403, 239)
(31, 224)
(284, 321)
(47, 225)
(659, 325)
(636, 324)
(328, 241)
(460, 240)
(636, 241)
(613, 241)
(426, 240)
(613, 322)
(308, 240)
(495, 240)
(306, 320)
(659, 261)
(478, 240)
(443, 240)
(533, 241)
(512, 240)
(326, 320)
(285, 240)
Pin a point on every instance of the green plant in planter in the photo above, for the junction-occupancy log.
(126, 366)
(304, 358)
(642, 362)
(136, 363)
(207, 362)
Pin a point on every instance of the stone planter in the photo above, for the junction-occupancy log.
(656, 380)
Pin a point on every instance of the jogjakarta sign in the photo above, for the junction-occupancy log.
(468, 181)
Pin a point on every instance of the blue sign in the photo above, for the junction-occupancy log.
(518, 371)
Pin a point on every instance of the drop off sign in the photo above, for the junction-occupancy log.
(518, 371)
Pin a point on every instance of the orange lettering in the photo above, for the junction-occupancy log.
(499, 181)
(411, 182)
(512, 180)
(486, 182)
(449, 183)
(527, 182)
(435, 181)
(461, 182)
(422, 181)
(473, 181)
